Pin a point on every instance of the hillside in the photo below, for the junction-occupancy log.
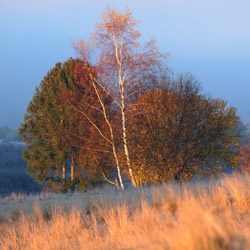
(201, 215)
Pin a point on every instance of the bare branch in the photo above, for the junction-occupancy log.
(83, 113)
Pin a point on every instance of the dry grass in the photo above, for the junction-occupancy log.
(213, 215)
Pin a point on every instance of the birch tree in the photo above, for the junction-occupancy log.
(123, 64)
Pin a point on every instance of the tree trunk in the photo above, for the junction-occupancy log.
(64, 172)
(124, 132)
(72, 167)
(111, 133)
(118, 166)
(125, 145)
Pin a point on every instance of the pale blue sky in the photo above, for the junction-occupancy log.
(211, 39)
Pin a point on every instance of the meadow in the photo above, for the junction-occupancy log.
(212, 214)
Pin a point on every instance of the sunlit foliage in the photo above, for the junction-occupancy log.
(180, 134)
(119, 100)
(57, 135)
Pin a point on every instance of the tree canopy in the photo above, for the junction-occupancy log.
(58, 135)
(180, 133)
(118, 109)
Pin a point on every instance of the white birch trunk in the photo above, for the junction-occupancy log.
(125, 145)
(111, 135)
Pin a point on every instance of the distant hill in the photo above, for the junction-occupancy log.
(8, 134)
(13, 177)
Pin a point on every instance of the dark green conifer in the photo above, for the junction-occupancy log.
(57, 134)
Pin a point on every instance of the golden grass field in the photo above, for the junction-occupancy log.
(201, 215)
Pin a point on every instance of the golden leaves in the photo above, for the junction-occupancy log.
(115, 22)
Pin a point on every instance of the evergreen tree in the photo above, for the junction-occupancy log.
(58, 136)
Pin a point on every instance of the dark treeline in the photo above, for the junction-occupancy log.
(13, 175)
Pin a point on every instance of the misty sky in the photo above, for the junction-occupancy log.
(209, 38)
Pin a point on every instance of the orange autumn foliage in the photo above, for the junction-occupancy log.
(181, 134)
(244, 162)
